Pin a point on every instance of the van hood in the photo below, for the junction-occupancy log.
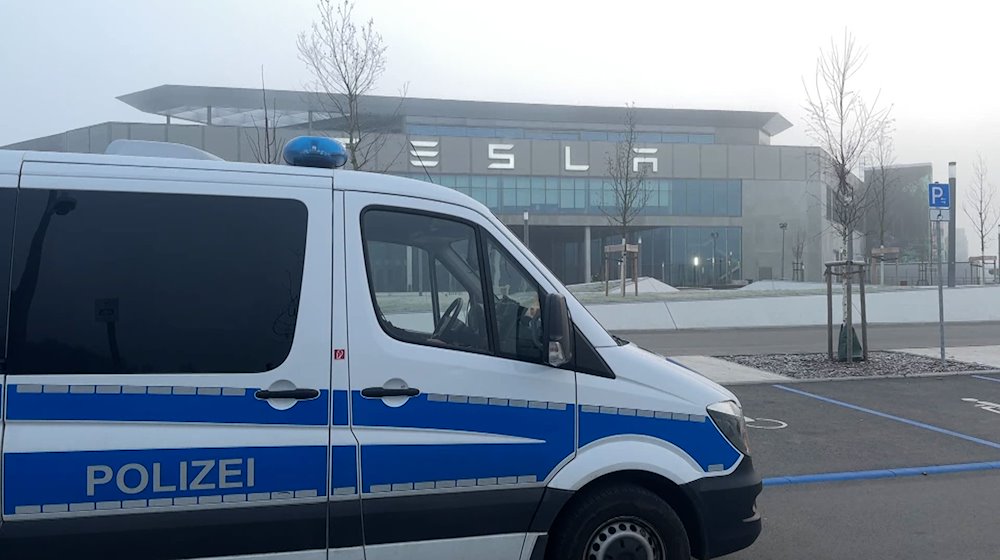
(653, 377)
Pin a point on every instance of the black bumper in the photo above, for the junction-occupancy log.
(727, 508)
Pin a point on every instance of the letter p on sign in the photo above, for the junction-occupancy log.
(939, 195)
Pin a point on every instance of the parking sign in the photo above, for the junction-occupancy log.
(938, 195)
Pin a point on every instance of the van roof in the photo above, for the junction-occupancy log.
(11, 161)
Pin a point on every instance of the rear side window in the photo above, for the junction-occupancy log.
(7, 200)
(112, 282)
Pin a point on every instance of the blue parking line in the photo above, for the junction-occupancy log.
(881, 473)
(984, 378)
(930, 427)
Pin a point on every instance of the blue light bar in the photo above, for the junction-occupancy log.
(315, 151)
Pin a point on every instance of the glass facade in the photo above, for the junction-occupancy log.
(509, 194)
(677, 255)
(536, 134)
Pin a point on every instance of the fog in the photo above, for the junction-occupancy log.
(62, 63)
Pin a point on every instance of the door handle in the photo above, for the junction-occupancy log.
(296, 394)
(382, 392)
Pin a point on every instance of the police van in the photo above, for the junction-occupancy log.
(204, 359)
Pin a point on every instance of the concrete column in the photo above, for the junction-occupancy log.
(208, 116)
(586, 254)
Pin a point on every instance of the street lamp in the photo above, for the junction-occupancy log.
(715, 272)
(526, 237)
(638, 259)
(783, 226)
(696, 261)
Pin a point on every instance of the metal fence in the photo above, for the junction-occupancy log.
(925, 274)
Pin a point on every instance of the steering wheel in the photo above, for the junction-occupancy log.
(448, 319)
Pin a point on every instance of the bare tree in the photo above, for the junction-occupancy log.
(798, 250)
(346, 62)
(264, 143)
(979, 205)
(628, 179)
(628, 183)
(885, 182)
(845, 126)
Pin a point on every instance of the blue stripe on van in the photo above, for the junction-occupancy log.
(469, 465)
(521, 419)
(145, 407)
(702, 441)
(58, 479)
(340, 408)
(550, 424)
(345, 467)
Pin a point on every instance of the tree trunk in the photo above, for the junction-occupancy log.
(624, 260)
(848, 297)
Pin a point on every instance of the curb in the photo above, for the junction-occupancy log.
(872, 377)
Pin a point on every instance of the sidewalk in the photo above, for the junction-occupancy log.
(725, 372)
(983, 355)
(963, 304)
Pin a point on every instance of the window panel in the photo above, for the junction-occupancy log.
(509, 197)
(537, 196)
(154, 283)
(443, 309)
(707, 199)
(538, 134)
(523, 198)
(594, 136)
(721, 198)
(513, 133)
(516, 307)
(566, 136)
(735, 195)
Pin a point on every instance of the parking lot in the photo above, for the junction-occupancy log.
(880, 469)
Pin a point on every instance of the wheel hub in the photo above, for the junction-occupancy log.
(625, 538)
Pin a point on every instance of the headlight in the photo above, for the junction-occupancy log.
(728, 417)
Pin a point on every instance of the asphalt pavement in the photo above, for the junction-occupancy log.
(881, 469)
(722, 342)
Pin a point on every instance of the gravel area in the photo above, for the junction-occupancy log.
(886, 364)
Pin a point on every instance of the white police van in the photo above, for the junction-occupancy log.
(205, 359)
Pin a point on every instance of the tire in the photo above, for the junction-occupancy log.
(619, 523)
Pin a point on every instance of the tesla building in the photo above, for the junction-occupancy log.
(719, 189)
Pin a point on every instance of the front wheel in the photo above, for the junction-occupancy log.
(619, 523)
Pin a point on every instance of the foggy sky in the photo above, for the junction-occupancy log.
(63, 62)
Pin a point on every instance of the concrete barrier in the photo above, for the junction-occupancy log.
(967, 304)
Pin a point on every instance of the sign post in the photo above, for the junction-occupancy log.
(939, 201)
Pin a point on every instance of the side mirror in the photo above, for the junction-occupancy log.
(557, 331)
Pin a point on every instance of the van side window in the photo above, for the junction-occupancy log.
(7, 200)
(425, 279)
(120, 282)
(516, 306)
